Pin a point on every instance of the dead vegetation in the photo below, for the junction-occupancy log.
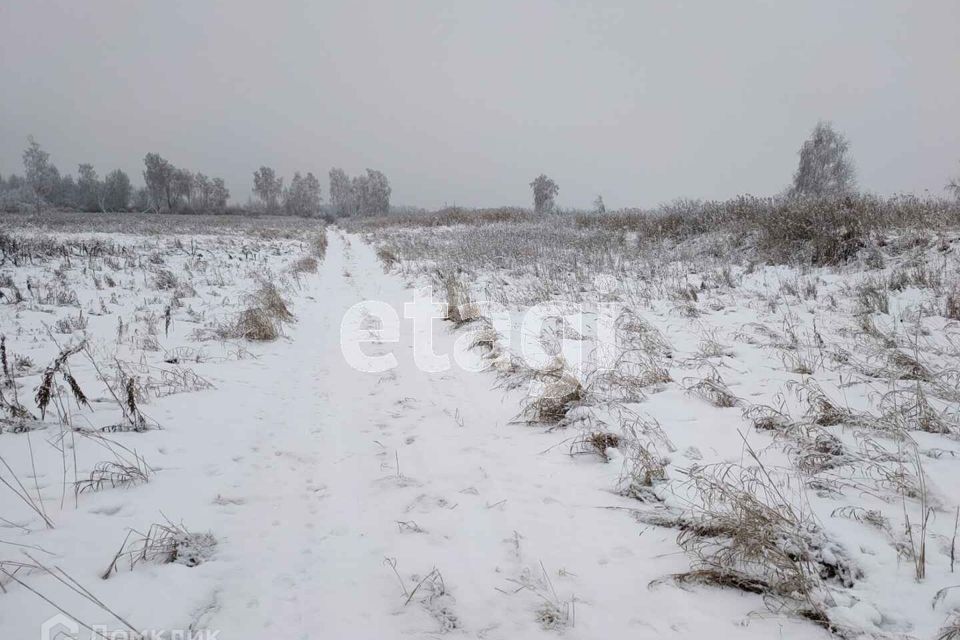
(551, 397)
(459, 307)
(595, 443)
(162, 544)
(113, 475)
(748, 530)
(262, 319)
(843, 411)
(306, 264)
(712, 389)
(319, 243)
(72, 421)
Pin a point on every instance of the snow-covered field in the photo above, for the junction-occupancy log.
(627, 442)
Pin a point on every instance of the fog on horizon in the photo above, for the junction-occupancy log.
(465, 102)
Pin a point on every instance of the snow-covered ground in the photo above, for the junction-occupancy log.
(416, 501)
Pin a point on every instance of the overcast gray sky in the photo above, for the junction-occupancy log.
(465, 102)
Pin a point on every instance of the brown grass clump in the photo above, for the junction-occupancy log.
(713, 390)
(910, 410)
(746, 532)
(822, 410)
(559, 393)
(387, 257)
(306, 264)
(952, 309)
(485, 337)
(46, 389)
(636, 333)
(460, 309)
(632, 372)
(268, 298)
(163, 544)
(595, 443)
(17, 414)
(262, 320)
(643, 470)
(714, 578)
(113, 474)
(447, 216)
(903, 366)
(165, 280)
(255, 324)
(766, 418)
(318, 243)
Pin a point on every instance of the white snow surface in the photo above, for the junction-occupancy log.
(384, 505)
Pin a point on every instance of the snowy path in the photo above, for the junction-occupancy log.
(323, 502)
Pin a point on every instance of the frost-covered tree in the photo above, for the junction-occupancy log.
(88, 189)
(141, 200)
(183, 185)
(342, 199)
(598, 205)
(159, 178)
(377, 194)
(545, 193)
(203, 190)
(371, 193)
(14, 194)
(365, 194)
(115, 191)
(954, 186)
(359, 188)
(38, 172)
(209, 195)
(824, 169)
(268, 188)
(302, 197)
(14, 182)
(219, 196)
(63, 190)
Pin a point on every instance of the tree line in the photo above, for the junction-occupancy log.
(825, 170)
(43, 185)
(170, 189)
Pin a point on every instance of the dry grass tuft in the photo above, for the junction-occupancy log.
(558, 394)
(713, 390)
(113, 474)
(460, 309)
(254, 324)
(388, 257)
(165, 280)
(767, 418)
(746, 531)
(952, 306)
(822, 410)
(909, 410)
(634, 332)
(643, 470)
(715, 578)
(47, 387)
(268, 298)
(306, 264)
(595, 443)
(318, 243)
(163, 544)
(628, 377)
(262, 320)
